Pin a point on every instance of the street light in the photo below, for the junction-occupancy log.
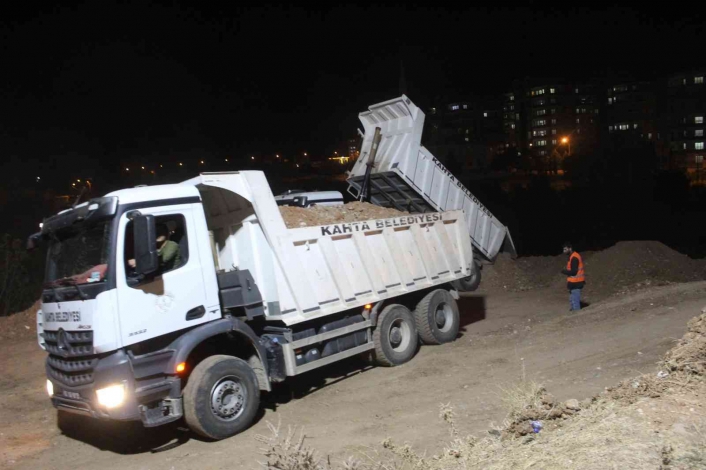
(565, 140)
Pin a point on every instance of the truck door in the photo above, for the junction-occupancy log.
(174, 297)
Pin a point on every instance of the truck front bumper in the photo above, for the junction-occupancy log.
(154, 402)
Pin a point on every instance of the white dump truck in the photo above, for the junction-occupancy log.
(396, 170)
(190, 299)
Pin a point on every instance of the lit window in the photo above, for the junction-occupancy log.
(699, 145)
(540, 143)
(578, 121)
(553, 121)
(542, 153)
(465, 106)
(541, 112)
(553, 141)
(610, 100)
(552, 90)
(541, 92)
(699, 159)
(576, 90)
(485, 114)
(649, 136)
(610, 128)
(683, 81)
(454, 107)
(634, 126)
(578, 111)
(512, 97)
(699, 119)
(624, 127)
(553, 131)
(699, 133)
(512, 126)
(684, 144)
(699, 80)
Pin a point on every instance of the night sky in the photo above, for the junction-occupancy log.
(132, 80)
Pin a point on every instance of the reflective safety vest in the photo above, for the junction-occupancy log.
(580, 275)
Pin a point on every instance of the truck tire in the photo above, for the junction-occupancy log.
(437, 317)
(470, 283)
(221, 397)
(395, 336)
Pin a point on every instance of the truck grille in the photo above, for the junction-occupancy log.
(70, 360)
(69, 343)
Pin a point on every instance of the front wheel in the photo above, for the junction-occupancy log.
(395, 336)
(221, 397)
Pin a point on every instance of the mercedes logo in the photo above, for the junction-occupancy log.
(62, 341)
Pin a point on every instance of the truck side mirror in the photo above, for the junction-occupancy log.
(33, 241)
(145, 232)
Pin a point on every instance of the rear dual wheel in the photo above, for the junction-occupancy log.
(395, 336)
(437, 317)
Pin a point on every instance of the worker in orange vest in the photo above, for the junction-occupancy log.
(576, 278)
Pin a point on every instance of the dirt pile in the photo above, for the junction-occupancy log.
(296, 217)
(522, 274)
(684, 365)
(532, 408)
(20, 326)
(689, 355)
(620, 269)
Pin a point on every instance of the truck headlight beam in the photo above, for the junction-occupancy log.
(112, 396)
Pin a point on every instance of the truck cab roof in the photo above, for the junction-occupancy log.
(162, 192)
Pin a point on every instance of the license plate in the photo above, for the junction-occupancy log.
(74, 316)
(72, 395)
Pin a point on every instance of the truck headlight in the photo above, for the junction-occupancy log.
(112, 396)
(50, 388)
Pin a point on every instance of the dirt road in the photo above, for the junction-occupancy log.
(505, 336)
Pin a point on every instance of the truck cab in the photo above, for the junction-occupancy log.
(106, 296)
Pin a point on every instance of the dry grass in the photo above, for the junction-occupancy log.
(521, 398)
(601, 438)
(609, 432)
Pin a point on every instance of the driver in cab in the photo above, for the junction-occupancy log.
(167, 250)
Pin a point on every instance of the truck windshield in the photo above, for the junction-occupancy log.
(78, 255)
